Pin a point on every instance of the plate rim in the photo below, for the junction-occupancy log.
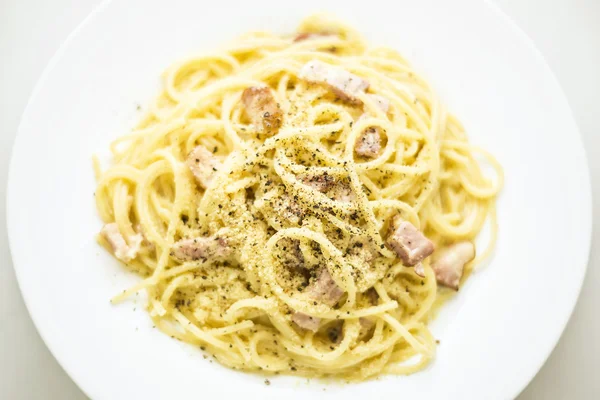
(586, 193)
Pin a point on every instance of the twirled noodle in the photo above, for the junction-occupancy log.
(283, 232)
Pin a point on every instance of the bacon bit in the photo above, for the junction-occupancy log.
(203, 165)
(305, 321)
(408, 242)
(123, 251)
(449, 266)
(201, 248)
(368, 144)
(343, 83)
(323, 289)
(262, 109)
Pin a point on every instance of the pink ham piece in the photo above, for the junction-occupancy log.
(201, 248)
(122, 250)
(203, 165)
(262, 109)
(450, 264)
(408, 242)
(323, 289)
(343, 83)
(368, 144)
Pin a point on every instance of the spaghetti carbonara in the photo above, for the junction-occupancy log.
(298, 204)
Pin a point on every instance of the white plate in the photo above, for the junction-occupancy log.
(494, 336)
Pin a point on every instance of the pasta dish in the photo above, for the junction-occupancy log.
(298, 204)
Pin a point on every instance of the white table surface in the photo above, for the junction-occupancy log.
(566, 31)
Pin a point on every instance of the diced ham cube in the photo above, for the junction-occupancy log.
(343, 83)
(368, 144)
(449, 266)
(324, 288)
(262, 109)
(408, 242)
